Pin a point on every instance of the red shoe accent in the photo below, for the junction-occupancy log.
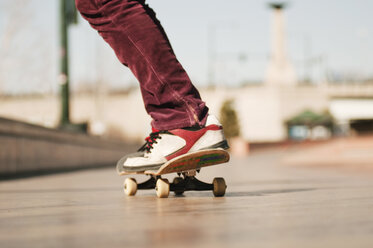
(190, 137)
(148, 139)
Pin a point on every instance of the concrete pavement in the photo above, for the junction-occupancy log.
(267, 205)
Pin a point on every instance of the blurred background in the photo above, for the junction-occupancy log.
(291, 81)
(274, 72)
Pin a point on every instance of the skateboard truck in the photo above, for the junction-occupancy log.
(179, 185)
(190, 173)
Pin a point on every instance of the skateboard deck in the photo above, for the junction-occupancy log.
(186, 165)
(187, 162)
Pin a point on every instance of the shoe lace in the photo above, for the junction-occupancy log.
(150, 141)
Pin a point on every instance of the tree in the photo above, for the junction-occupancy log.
(229, 119)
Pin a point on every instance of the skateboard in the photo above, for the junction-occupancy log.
(186, 166)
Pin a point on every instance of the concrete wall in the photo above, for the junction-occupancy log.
(26, 148)
(262, 110)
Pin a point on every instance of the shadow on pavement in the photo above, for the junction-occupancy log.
(266, 192)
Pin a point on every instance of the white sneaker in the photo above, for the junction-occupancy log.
(161, 146)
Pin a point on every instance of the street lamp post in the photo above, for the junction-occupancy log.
(64, 66)
(68, 16)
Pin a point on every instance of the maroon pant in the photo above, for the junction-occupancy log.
(139, 41)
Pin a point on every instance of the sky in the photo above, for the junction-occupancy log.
(331, 38)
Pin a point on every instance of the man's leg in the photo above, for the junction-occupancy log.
(139, 41)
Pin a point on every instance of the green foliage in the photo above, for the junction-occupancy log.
(309, 118)
(229, 119)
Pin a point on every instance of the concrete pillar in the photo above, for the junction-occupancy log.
(280, 71)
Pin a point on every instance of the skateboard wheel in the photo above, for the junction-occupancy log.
(177, 181)
(219, 186)
(162, 188)
(130, 186)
